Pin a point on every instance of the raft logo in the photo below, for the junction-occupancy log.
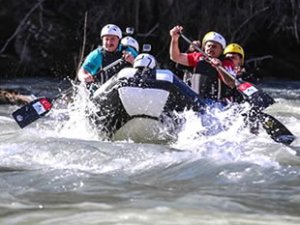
(19, 118)
(247, 88)
(269, 124)
(39, 108)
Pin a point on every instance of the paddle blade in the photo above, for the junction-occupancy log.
(256, 97)
(32, 111)
(276, 129)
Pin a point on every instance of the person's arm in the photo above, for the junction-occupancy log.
(226, 79)
(175, 53)
(90, 67)
(217, 63)
(129, 55)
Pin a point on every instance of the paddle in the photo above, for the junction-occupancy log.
(255, 96)
(277, 131)
(38, 108)
(103, 75)
(259, 100)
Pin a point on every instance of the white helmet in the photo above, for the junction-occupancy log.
(111, 29)
(216, 37)
(130, 41)
(144, 60)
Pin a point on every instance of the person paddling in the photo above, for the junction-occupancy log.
(236, 54)
(208, 81)
(110, 51)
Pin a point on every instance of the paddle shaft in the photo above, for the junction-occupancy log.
(38, 108)
(70, 89)
(102, 75)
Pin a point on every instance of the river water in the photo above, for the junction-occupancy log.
(59, 171)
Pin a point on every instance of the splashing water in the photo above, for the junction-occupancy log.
(59, 170)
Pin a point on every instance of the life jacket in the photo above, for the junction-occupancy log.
(110, 57)
(207, 83)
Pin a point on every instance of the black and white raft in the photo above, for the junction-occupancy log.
(143, 106)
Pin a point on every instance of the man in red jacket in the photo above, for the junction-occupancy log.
(208, 81)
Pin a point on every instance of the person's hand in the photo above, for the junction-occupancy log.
(88, 78)
(192, 47)
(215, 62)
(84, 76)
(128, 57)
(175, 31)
(239, 70)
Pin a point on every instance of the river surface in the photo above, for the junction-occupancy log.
(59, 171)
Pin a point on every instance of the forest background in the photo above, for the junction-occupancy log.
(49, 38)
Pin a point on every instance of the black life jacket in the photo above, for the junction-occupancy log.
(110, 57)
(207, 84)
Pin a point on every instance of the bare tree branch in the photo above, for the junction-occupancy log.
(150, 31)
(83, 44)
(237, 30)
(20, 25)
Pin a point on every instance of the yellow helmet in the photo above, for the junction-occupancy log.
(214, 36)
(234, 48)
